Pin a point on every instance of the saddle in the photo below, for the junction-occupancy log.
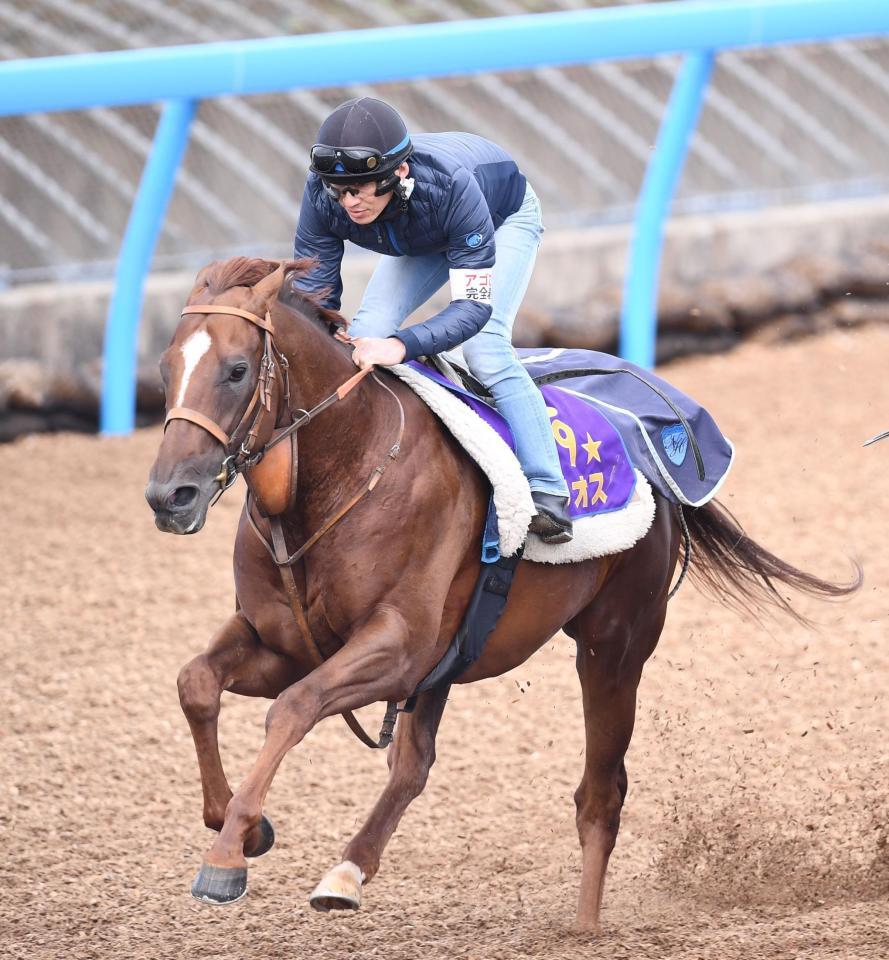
(612, 503)
(668, 436)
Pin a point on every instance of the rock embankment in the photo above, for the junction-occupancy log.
(807, 295)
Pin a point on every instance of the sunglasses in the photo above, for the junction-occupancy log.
(358, 161)
(336, 192)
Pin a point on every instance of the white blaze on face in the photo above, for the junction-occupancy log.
(192, 351)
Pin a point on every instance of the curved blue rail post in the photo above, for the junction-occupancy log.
(143, 227)
(638, 323)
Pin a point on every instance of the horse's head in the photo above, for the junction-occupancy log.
(222, 388)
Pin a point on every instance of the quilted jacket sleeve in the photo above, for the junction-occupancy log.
(315, 239)
(470, 233)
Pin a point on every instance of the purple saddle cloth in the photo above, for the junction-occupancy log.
(609, 416)
(592, 454)
(672, 440)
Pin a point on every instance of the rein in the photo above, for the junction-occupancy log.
(280, 556)
(240, 455)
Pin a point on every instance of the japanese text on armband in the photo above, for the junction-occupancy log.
(472, 285)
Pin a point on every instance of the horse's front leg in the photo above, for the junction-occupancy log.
(234, 660)
(410, 758)
(374, 665)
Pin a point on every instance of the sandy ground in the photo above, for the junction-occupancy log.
(756, 821)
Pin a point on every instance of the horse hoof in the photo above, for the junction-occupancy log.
(340, 889)
(266, 839)
(219, 886)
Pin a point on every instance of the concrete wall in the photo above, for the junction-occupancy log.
(720, 275)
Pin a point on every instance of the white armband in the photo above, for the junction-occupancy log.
(472, 284)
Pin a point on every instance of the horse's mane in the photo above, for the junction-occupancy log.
(222, 275)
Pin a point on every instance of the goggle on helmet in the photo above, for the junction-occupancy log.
(342, 165)
(362, 140)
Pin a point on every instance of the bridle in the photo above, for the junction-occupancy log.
(248, 443)
(242, 446)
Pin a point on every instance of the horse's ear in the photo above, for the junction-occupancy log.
(267, 288)
(201, 281)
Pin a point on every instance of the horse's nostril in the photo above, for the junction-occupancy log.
(183, 496)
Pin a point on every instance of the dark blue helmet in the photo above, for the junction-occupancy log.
(363, 139)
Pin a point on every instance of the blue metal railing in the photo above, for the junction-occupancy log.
(183, 75)
(638, 328)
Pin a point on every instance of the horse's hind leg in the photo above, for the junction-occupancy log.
(609, 706)
(235, 661)
(615, 635)
(410, 758)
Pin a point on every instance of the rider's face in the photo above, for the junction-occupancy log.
(361, 203)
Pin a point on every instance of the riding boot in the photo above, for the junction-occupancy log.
(551, 522)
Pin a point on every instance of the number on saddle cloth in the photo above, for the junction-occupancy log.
(592, 455)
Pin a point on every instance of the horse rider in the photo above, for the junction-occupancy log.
(440, 206)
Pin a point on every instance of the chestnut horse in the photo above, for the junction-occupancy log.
(381, 592)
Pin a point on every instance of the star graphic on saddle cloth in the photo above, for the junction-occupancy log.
(592, 449)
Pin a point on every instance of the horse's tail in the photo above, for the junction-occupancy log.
(735, 569)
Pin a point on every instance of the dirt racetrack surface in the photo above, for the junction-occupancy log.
(757, 820)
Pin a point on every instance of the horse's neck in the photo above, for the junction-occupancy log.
(346, 440)
(318, 363)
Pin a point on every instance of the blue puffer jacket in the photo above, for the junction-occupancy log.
(465, 187)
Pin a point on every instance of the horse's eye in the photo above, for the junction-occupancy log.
(238, 373)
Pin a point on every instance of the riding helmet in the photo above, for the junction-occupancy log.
(363, 139)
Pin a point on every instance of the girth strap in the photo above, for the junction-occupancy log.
(485, 607)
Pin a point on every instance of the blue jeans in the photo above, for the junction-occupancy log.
(400, 285)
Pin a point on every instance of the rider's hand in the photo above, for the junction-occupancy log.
(370, 350)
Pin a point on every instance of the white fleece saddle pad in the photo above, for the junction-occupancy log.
(594, 536)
